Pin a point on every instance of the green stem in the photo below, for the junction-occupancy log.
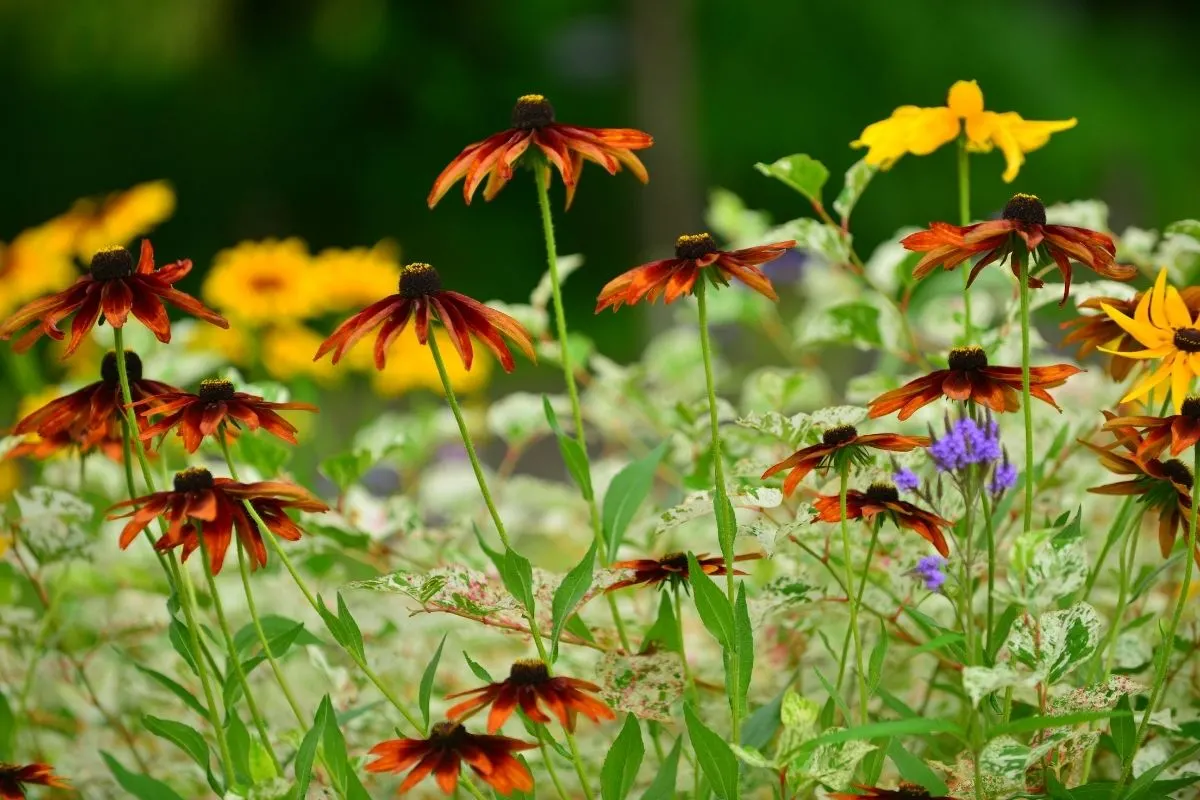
(1127, 561)
(967, 570)
(584, 782)
(244, 569)
(689, 683)
(541, 178)
(990, 531)
(1114, 535)
(964, 216)
(1026, 400)
(541, 735)
(851, 600)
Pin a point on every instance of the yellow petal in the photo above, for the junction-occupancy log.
(1149, 382)
(1156, 352)
(1158, 296)
(932, 129)
(1142, 330)
(1181, 381)
(1013, 156)
(1194, 362)
(1016, 136)
(1031, 134)
(965, 99)
(1178, 315)
(887, 139)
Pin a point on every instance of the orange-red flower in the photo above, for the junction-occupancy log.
(884, 498)
(1180, 431)
(696, 256)
(115, 288)
(442, 753)
(1021, 229)
(90, 418)
(217, 405)
(528, 684)
(564, 146)
(201, 505)
(905, 791)
(970, 378)
(420, 294)
(672, 569)
(13, 779)
(842, 441)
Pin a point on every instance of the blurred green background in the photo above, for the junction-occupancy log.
(329, 119)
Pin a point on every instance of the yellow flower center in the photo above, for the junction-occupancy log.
(419, 280)
(695, 245)
(215, 390)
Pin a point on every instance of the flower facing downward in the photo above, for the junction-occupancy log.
(564, 146)
(442, 753)
(696, 257)
(1022, 230)
(420, 295)
(905, 791)
(529, 684)
(200, 505)
(883, 498)
(838, 445)
(672, 569)
(217, 404)
(970, 378)
(114, 287)
(1163, 324)
(13, 779)
(1180, 431)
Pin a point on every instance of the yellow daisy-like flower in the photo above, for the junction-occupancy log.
(10, 481)
(287, 353)
(410, 366)
(356, 277)
(234, 344)
(37, 262)
(121, 217)
(920, 131)
(1163, 325)
(263, 282)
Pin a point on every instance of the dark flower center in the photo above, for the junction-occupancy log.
(674, 562)
(529, 672)
(1187, 340)
(1191, 407)
(1026, 208)
(882, 493)
(1178, 472)
(108, 368)
(215, 390)
(531, 112)
(446, 733)
(968, 358)
(419, 280)
(193, 479)
(112, 262)
(695, 245)
(839, 435)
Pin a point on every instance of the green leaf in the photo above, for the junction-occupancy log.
(663, 786)
(307, 752)
(1145, 783)
(1184, 227)
(878, 656)
(624, 758)
(1124, 731)
(726, 524)
(183, 694)
(8, 730)
(937, 643)
(517, 574)
(744, 636)
(716, 757)
(351, 626)
(273, 625)
(342, 626)
(427, 680)
(477, 670)
(182, 642)
(572, 452)
(266, 454)
(186, 738)
(336, 758)
(569, 594)
(140, 786)
(239, 746)
(877, 730)
(1043, 721)
(232, 688)
(346, 469)
(664, 633)
(761, 726)
(625, 494)
(915, 770)
(801, 172)
(712, 605)
(856, 323)
(857, 178)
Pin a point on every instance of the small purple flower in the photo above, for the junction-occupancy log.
(1005, 477)
(929, 569)
(965, 443)
(906, 480)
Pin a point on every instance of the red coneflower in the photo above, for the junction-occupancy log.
(91, 416)
(970, 378)
(884, 498)
(1094, 331)
(115, 288)
(442, 753)
(836, 444)
(420, 294)
(14, 778)
(1180, 431)
(696, 256)
(528, 683)
(1021, 229)
(201, 505)
(564, 146)
(204, 413)
(905, 791)
(673, 569)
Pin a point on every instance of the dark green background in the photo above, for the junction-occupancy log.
(329, 119)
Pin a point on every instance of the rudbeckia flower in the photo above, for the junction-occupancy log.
(842, 441)
(564, 146)
(442, 753)
(120, 217)
(421, 294)
(970, 378)
(1163, 324)
(260, 283)
(13, 779)
(920, 131)
(351, 278)
(1180, 431)
(884, 498)
(1093, 331)
(905, 791)
(115, 288)
(217, 405)
(696, 256)
(1021, 230)
(528, 685)
(672, 569)
(200, 505)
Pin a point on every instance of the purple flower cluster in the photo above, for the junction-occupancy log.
(1004, 477)
(966, 443)
(929, 569)
(906, 480)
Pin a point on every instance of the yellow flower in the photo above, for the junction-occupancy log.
(287, 352)
(10, 481)
(37, 262)
(120, 217)
(232, 343)
(260, 282)
(1163, 325)
(357, 277)
(920, 131)
(410, 366)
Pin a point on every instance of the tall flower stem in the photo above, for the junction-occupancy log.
(689, 683)
(1026, 399)
(1113, 537)
(1168, 645)
(851, 600)
(541, 178)
(244, 569)
(964, 216)
(545, 748)
(989, 530)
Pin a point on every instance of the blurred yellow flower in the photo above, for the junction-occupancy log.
(356, 277)
(287, 352)
(120, 217)
(232, 343)
(37, 262)
(10, 481)
(260, 282)
(920, 131)
(410, 366)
